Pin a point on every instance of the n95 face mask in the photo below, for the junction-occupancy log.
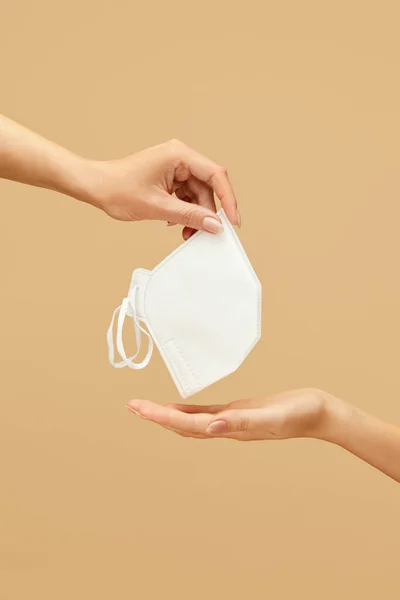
(201, 306)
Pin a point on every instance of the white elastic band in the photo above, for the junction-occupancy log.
(122, 310)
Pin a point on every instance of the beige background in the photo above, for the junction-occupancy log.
(301, 101)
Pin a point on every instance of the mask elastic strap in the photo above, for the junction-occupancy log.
(121, 311)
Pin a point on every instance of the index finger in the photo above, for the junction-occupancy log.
(216, 177)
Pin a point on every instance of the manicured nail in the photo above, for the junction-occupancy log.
(217, 427)
(212, 225)
(239, 219)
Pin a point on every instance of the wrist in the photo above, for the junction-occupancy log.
(77, 178)
(94, 183)
(338, 417)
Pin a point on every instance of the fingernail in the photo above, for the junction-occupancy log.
(239, 219)
(217, 427)
(212, 225)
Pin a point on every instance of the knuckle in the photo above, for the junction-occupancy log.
(317, 393)
(175, 144)
(243, 424)
(189, 216)
(222, 171)
(219, 172)
(182, 171)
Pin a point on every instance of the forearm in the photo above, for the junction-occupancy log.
(28, 158)
(372, 440)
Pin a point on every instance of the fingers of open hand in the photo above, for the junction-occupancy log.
(197, 421)
(171, 418)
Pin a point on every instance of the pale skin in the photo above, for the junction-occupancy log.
(169, 182)
(298, 414)
(173, 183)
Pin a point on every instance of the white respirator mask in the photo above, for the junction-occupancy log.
(201, 306)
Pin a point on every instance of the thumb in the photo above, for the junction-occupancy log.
(232, 421)
(187, 214)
